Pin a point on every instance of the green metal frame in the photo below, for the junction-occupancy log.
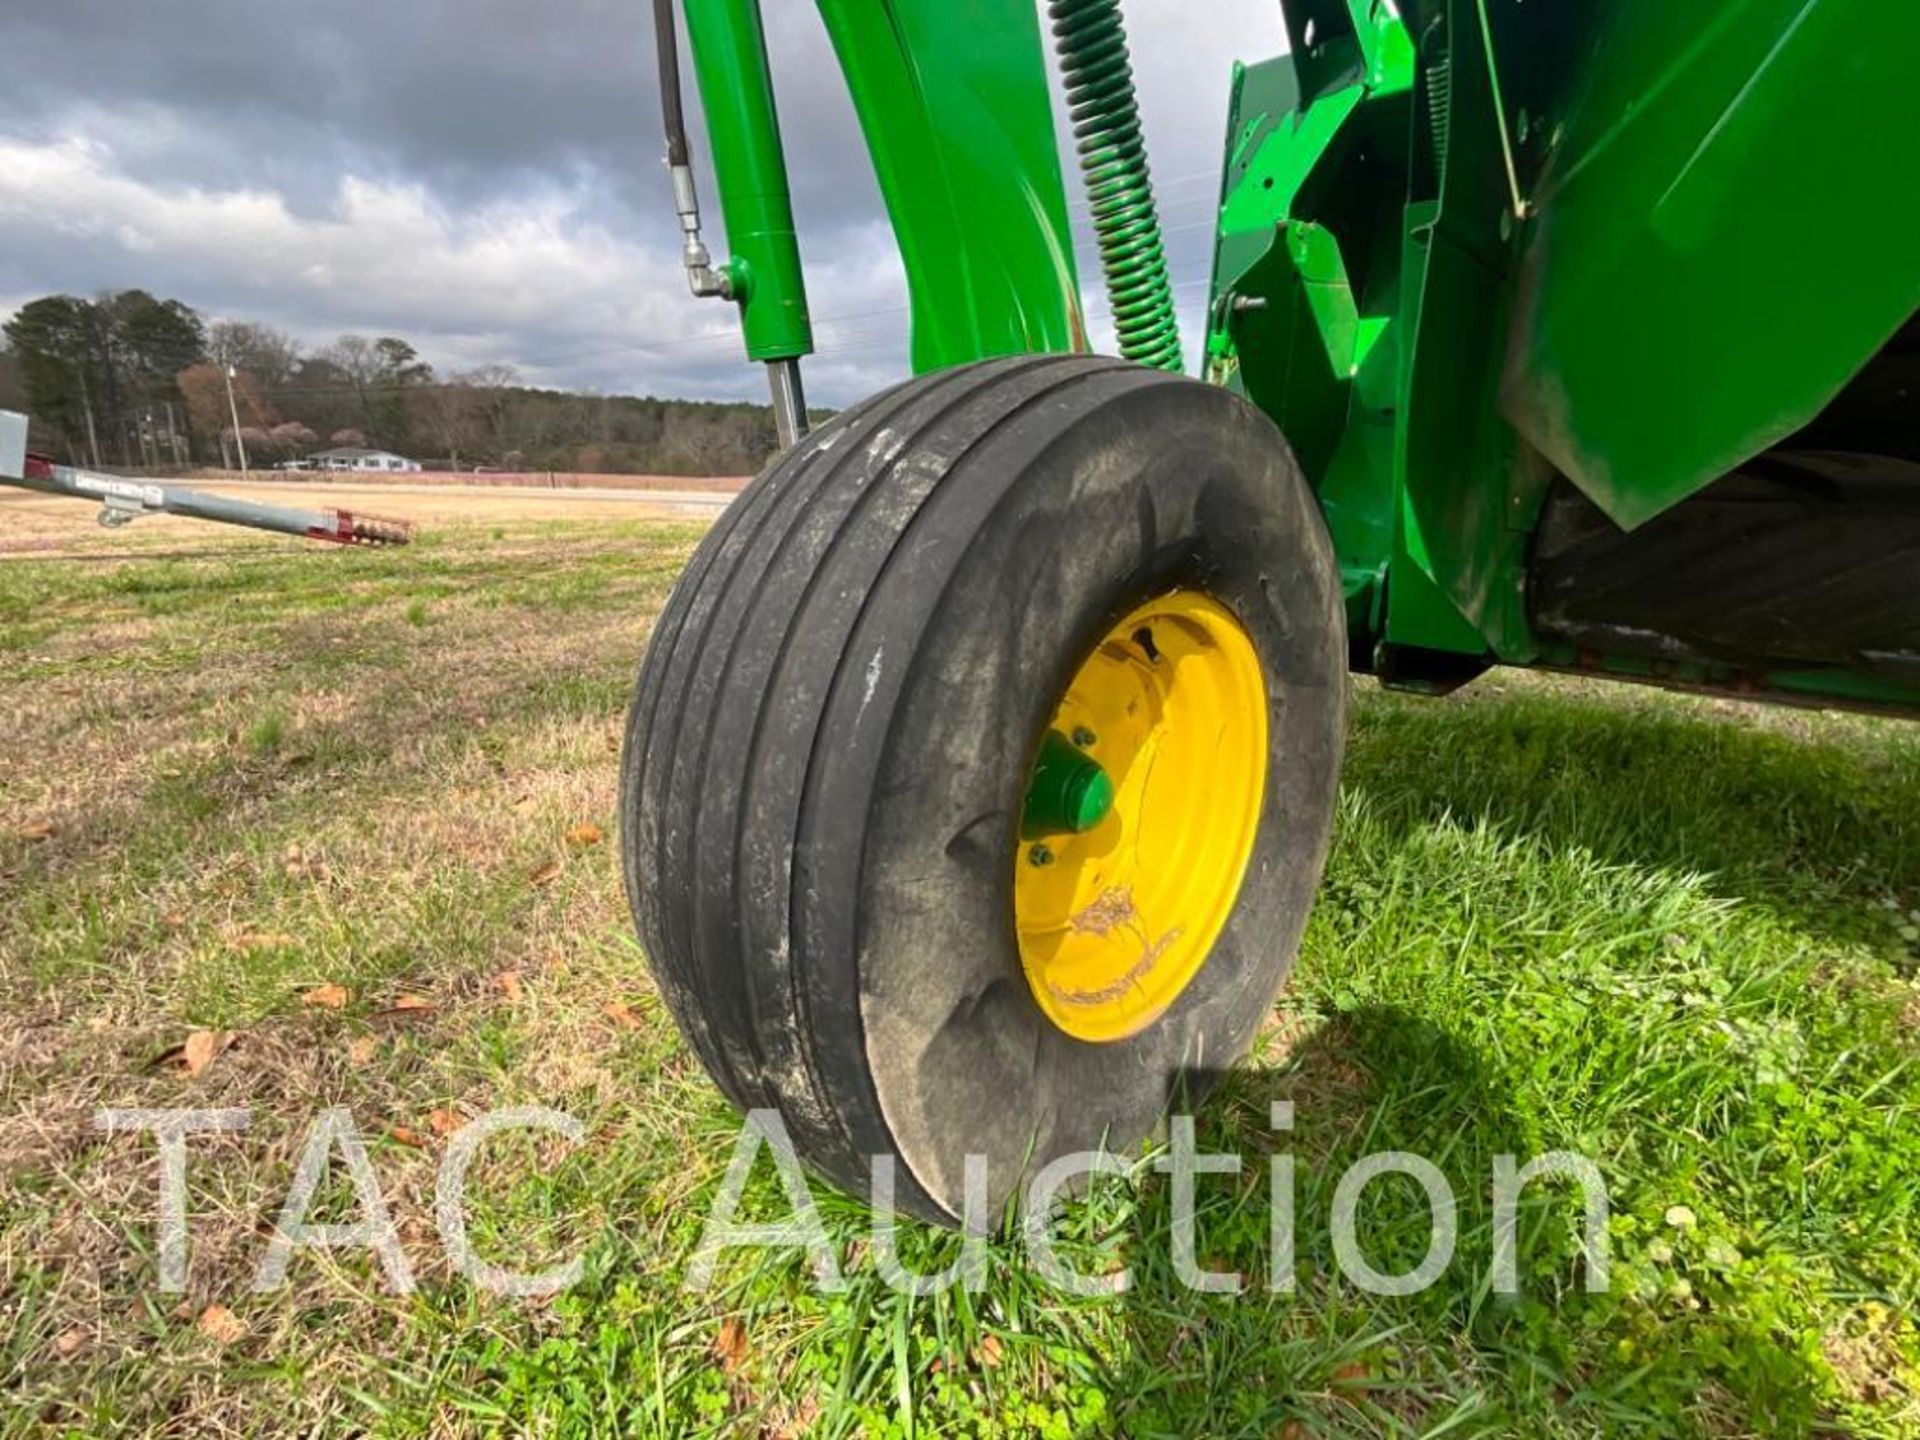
(1463, 247)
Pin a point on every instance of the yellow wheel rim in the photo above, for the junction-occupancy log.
(1114, 923)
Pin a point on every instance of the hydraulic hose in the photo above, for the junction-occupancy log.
(706, 282)
(1091, 38)
(666, 44)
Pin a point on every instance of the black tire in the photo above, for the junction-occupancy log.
(831, 742)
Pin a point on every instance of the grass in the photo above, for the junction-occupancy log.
(1677, 936)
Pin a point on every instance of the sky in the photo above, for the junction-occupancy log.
(483, 178)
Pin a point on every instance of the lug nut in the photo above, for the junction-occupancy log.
(1040, 855)
(1084, 738)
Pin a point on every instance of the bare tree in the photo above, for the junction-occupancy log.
(270, 356)
(449, 412)
(355, 360)
(456, 412)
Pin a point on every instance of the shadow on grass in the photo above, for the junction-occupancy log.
(1331, 1359)
(1815, 826)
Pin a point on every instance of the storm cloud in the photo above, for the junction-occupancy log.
(483, 176)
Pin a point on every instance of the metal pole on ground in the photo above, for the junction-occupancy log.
(123, 501)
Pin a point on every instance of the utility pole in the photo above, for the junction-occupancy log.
(233, 408)
(86, 404)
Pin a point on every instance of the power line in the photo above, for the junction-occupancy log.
(861, 337)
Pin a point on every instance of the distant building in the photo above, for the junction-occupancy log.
(382, 462)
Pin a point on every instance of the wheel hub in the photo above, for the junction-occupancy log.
(1141, 816)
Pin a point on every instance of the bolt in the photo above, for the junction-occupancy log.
(1040, 855)
(1084, 739)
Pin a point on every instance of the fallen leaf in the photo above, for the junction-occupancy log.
(327, 997)
(174, 920)
(363, 1049)
(69, 1342)
(730, 1345)
(202, 1047)
(221, 1324)
(1352, 1371)
(265, 940)
(583, 836)
(988, 1353)
(801, 1424)
(410, 1005)
(546, 874)
(443, 1122)
(298, 864)
(508, 983)
(36, 831)
(407, 1135)
(622, 1014)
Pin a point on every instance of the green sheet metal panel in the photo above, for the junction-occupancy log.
(953, 98)
(1727, 228)
(1456, 579)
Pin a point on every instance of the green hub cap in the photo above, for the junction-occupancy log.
(1069, 793)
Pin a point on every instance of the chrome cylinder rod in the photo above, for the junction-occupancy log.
(789, 402)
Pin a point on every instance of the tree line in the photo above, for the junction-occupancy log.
(128, 380)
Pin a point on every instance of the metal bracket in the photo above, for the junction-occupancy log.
(707, 281)
(116, 513)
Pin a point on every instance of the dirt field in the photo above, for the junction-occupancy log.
(35, 524)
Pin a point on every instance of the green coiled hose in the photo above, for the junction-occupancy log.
(1092, 40)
